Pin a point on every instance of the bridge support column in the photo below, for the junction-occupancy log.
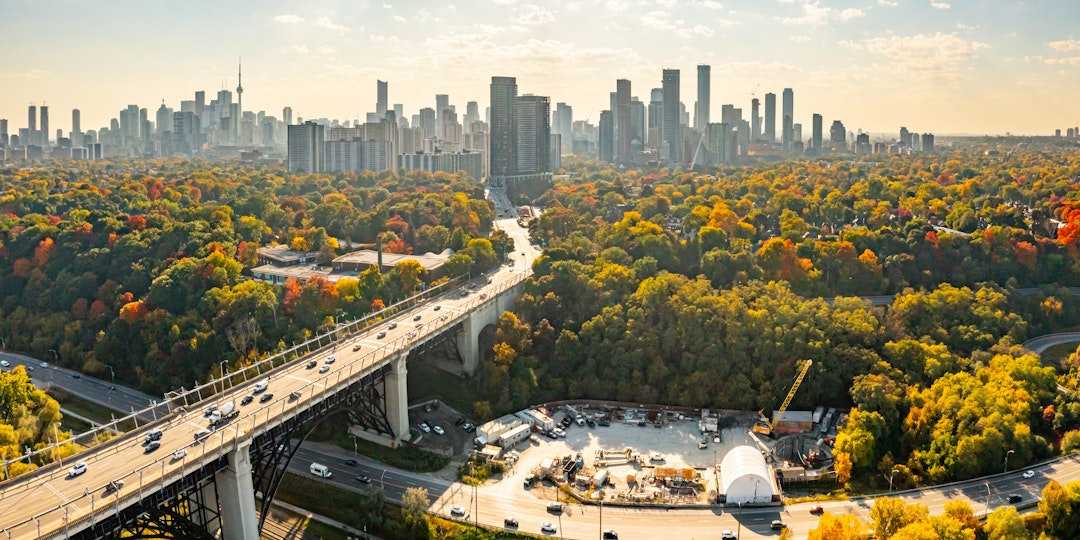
(397, 398)
(236, 496)
(468, 345)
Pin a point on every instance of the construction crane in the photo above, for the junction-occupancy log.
(764, 426)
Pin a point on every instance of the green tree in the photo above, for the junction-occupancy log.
(1005, 523)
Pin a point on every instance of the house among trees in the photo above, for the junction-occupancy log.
(279, 263)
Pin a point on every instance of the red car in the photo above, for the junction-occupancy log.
(817, 509)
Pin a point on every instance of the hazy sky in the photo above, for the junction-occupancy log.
(942, 66)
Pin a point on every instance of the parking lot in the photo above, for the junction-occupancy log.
(452, 423)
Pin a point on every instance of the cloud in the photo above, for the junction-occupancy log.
(697, 30)
(667, 3)
(387, 6)
(399, 18)
(939, 5)
(503, 2)
(303, 49)
(799, 39)
(616, 5)
(886, 3)
(325, 22)
(932, 57)
(813, 15)
(379, 38)
(851, 13)
(289, 18)
(962, 26)
(534, 15)
(712, 5)
(325, 49)
(1073, 61)
(35, 74)
(1065, 45)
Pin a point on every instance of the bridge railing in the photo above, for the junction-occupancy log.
(215, 386)
(276, 411)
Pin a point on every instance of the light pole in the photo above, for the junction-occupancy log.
(1007, 459)
(890, 478)
(56, 357)
(987, 498)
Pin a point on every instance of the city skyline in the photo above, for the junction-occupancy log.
(875, 64)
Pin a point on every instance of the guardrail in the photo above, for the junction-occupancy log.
(275, 411)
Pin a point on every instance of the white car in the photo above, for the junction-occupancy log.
(330, 359)
(438, 430)
(425, 428)
(457, 511)
(727, 535)
(547, 528)
(78, 469)
(324, 369)
(657, 456)
(179, 454)
(1029, 474)
(4, 364)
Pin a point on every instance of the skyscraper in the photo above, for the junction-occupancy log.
(563, 123)
(76, 128)
(472, 114)
(45, 125)
(606, 144)
(837, 134)
(672, 129)
(789, 117)
(770, 118)
(755, 119)
(186, 134)
(200, 103)
(502, 130)
(442, 102)
(532, 116)
(381, 99)
(306, 148)
(655, 118)
(3, 132)
(815, 141)
(927, 141)
(622, 120)
(286, 115)
(701, 109)
(31, 125)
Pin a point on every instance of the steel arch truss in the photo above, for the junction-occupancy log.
(186, 508)
(363, 401)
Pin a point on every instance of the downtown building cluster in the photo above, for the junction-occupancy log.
(513, 142)
(220, 128)
(660, 133)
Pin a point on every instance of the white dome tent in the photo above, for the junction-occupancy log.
(745, 478)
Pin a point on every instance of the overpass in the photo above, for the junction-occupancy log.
(202, 482)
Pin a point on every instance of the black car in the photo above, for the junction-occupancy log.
(1015, 498)
(312, 364)
(510, 523)
(246, 399)
(459, 421)
(76, 376)
(351, 462)
(777, 525)
(115, 485)
(589, 422)
(266, 397)
(151, 447)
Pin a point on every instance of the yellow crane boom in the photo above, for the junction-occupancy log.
(768, 426)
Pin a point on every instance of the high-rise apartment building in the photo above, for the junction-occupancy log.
(442, 102)
(501, 128)
(31, 126)
(45, 125)
(286, 116)
(306, 147)
(789, 118)
(637, 125)
(606, 144)
(755, 119)
(472, 114)
(622, 121)
(381, 99)
(671, 134)
(837, 134)
(770, 118)
(532, 114)
(3, 132)
(816, 137)
(927, 140)
(76, 128)
(186, 134)
(562, 123)
(200, 103)
(701, 108)
(655, 118)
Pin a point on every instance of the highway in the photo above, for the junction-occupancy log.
(118, 398)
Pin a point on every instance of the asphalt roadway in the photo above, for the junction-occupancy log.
(119, 398)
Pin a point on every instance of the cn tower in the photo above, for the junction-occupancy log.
(239, 99)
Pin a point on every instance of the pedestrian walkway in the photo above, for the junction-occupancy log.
(288, 522)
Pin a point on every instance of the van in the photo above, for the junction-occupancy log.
(261, 386)
(321, 471)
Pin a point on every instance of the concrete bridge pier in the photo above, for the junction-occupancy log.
(397, 397)
(236, 496)
(468, 339)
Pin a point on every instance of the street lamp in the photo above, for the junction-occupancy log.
(111, 373)
(1007, 459)
(56, 357)
(987, 497)
(890, 478)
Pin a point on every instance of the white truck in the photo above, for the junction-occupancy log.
(225, 412)
(320, 470)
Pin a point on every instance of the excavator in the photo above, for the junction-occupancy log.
(764, 426)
